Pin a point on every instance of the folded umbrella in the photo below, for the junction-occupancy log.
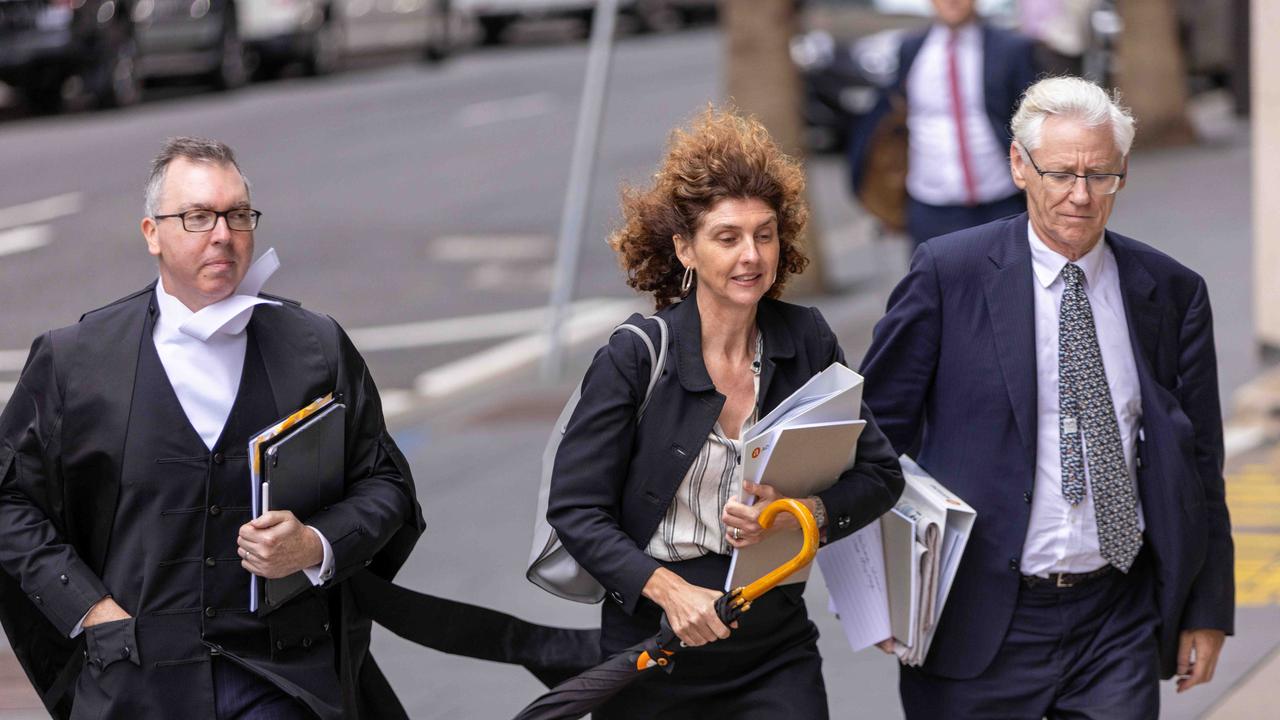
(579, 695)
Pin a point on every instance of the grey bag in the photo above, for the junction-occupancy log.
(550, 565)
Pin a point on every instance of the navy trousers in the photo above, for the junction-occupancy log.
(1087, 652)
(929, 221)
(241, 695)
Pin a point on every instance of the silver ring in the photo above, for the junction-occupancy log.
(737, 534)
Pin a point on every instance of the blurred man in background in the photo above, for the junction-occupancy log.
(957, 85)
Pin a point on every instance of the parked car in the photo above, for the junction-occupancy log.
(191, 39)
(848, 49)
(494, 17)
(44, 43)
(321, 33)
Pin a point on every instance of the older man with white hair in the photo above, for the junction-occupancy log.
(1062, 379)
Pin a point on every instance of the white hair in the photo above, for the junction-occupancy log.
(1075, 98)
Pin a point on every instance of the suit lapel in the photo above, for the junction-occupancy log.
(292, 355)
(1011, 307)
(1140, 307)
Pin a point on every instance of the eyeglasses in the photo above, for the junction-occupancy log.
(1060, 182)
(241, 219)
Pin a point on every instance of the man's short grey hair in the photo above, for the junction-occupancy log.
(1074, 98)
(193, 149)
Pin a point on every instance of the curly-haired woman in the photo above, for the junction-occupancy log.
(650, 506)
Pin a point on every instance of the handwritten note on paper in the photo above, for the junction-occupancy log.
(854, 572)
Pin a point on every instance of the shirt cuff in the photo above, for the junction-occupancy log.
(79, 628)
(322, 573)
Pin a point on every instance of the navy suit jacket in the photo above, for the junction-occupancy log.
(951, 376)
(1008, 69)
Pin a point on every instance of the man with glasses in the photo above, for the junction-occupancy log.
(126, 540)
(1061, 378)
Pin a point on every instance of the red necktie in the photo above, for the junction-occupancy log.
(957, 114)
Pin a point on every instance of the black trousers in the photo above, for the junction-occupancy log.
(768, 668)
(242, 695)
(926, 221)
(1086, 653)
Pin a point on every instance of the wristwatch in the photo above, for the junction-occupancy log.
(819, 512)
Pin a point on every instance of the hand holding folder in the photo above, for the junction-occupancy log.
(297, 464)
(799, 449)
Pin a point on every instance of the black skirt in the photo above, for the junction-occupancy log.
(769, 667)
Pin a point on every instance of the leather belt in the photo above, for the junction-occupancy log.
(1066, 580)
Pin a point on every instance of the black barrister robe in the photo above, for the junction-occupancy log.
(63, 437)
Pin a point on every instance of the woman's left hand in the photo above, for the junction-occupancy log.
(745, 518)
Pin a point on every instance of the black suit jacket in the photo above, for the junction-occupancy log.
(62, 437)
(613, 479)
(1008, 69)
(951, 373)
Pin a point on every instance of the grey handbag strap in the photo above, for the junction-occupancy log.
(657, 357)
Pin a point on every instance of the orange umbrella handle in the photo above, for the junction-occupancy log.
(734, 603)
(808, 525)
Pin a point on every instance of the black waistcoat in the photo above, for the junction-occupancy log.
(173, 563)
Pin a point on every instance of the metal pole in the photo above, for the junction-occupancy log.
(573, 216)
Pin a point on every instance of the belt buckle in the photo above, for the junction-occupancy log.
(1062, 582)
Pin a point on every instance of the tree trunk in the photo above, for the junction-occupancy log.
(762, 81)
(1151, 73)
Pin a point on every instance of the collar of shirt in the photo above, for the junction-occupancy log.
(1048, 264)
(230, 315)
(967, 35)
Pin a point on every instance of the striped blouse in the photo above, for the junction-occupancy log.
(692, 526)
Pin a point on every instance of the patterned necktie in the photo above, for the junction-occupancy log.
(1084, 402)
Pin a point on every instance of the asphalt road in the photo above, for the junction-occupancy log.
(394, 194)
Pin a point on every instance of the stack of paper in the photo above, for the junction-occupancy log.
(800, 448)
(891, 579)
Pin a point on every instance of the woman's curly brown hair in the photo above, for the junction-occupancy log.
(721, 154)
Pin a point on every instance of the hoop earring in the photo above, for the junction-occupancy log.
(687, 282)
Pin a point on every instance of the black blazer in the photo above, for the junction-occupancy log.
(613, 479)
(952, 371)
(62, 438)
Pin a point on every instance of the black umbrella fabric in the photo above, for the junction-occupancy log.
(580, 695)
(552, 654)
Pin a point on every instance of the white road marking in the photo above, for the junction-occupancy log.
(12, 360)
(479, 248)
(447, 331)
(6, 391)
(488, 365)
(40, 211)
(1239, 439)
(22, 239)
(496, 111)
(396, 402)
(502, 276)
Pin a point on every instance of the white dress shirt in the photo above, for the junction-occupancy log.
(1062, 537)
(934, 173)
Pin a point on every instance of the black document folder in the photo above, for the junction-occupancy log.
(302, 470)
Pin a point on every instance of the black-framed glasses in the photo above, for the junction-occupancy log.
(242, 219)
(1058, 181)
